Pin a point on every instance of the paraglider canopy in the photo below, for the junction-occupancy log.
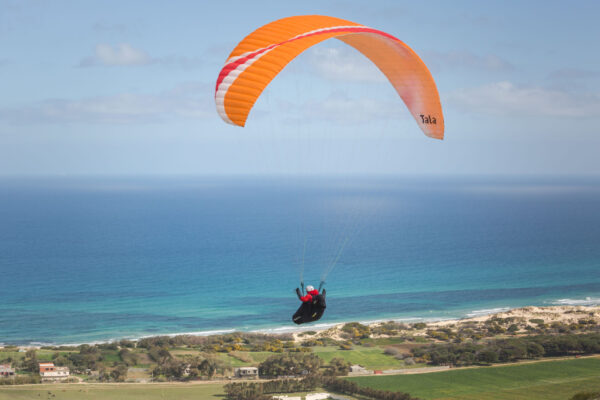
(259, 57)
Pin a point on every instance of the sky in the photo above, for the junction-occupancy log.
(127, 88)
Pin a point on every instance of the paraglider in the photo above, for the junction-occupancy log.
(313, 306)
(261, 55)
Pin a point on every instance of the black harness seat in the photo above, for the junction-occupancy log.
(311, 311)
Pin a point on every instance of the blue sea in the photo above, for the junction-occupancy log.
(87, 259)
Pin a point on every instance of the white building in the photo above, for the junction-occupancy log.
(359, 370)
(325, 396)
(6, 370)
(318, 396)
(246, 372)
(49, 372)
(313, 396)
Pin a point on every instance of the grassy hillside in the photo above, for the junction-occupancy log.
(368, 357)
(547, 380)
(540, 380)
(113, 392)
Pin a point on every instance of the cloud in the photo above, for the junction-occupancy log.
(125, 55)
(466, 60)
(344, 64)
(119, 55)
(508, 99)
(187, 100)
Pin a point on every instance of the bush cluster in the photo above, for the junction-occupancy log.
(356, 330)
(507, 350)
(290, 364)
(258, 391)
(20, 380)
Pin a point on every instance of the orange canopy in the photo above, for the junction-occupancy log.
(258, 58)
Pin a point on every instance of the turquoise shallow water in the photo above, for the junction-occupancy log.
(90, 259)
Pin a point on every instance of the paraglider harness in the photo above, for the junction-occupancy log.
(312, 310)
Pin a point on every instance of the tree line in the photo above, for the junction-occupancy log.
(508, 350)
(260, 391)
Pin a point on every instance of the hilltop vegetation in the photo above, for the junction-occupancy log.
(388, 345)
(320, 357)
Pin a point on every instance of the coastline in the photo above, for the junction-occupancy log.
(565, 314)
(530, 315)
(112, 281)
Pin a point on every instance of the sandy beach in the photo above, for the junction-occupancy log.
(529, 316)
(524, 316)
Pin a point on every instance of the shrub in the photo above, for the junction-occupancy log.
(487, 356)
(338, 367)
(289, 364)
(586, 396)
(20, 380)
(345, 346)
(356, 330)
(409, 361)
(392, 351)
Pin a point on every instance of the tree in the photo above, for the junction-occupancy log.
(119, 374)
(586, 396)
(487, 356)
(159, 354)
(512, 350)
(61, 360)
(338, 367)
(30, 362)
(245, 391)
(466, 358)
(208, 367)
(103, 376)
(535, 350)
(288, 364)
(128, 357)
(127, 343)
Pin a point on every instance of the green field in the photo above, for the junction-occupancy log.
(548, 380)
(545, 380)
(113, 392)
(368, 357)
(42, 355)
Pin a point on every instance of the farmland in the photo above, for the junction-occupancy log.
(557, 379)
(113, 392)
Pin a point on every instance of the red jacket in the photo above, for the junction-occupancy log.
(309, 296)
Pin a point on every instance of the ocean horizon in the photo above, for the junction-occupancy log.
(94, 259)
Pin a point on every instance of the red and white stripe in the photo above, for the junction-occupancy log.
(235, 65)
